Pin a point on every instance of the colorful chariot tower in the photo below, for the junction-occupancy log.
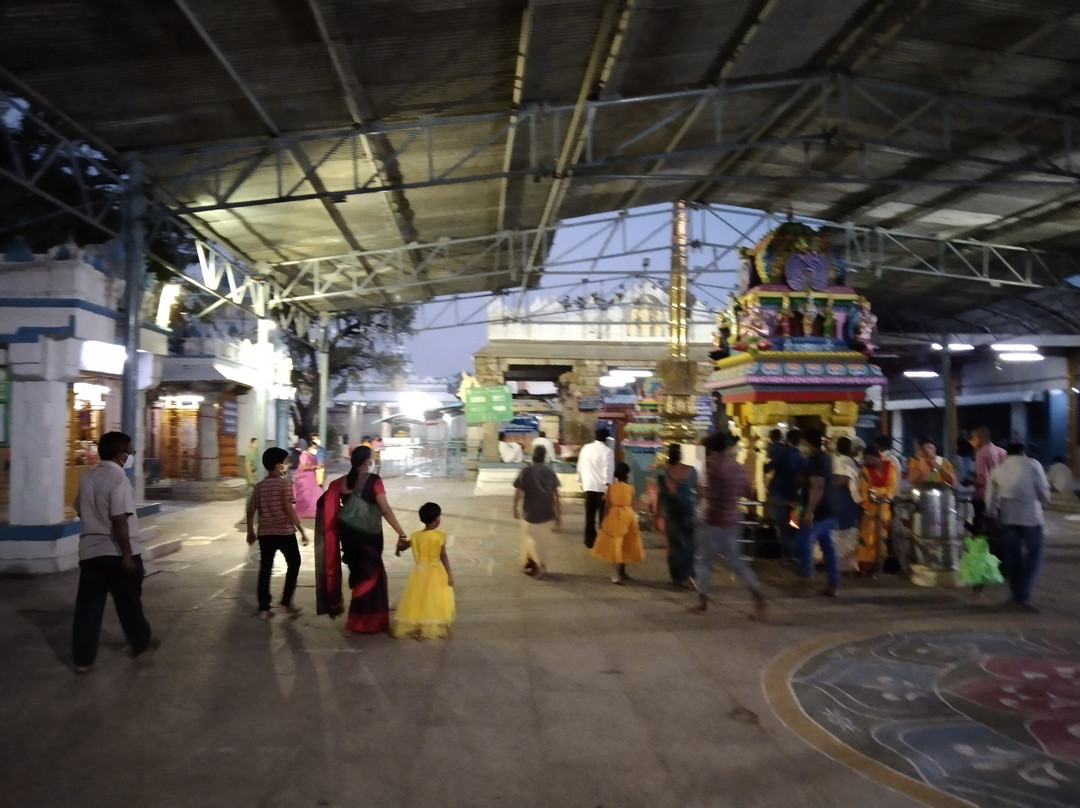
(793, 348)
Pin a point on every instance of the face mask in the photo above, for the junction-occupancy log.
(129, 461)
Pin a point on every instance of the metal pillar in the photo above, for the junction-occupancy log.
(134, 240)
(1070, 391)
(678, 372)
(324, 380)
(949, 391)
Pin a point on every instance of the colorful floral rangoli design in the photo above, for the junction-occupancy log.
(992, 717)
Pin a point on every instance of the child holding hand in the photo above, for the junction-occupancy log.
(426, 608)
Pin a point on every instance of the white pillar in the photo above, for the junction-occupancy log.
(324, 379)
(356, 423)
(1018, 427)
(384, 427)
(38, 451)
(209, 467)
(264, 426)
(139, 442)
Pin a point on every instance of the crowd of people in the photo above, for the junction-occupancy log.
(841, 502)
(838, 501)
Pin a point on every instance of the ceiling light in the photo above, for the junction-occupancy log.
(1021, 356)
(613, 381)
(921, 374)
(960, 347)
(1019, 348)
(936, 346)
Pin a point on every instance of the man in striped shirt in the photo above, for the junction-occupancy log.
(273, 501)
(726, 482)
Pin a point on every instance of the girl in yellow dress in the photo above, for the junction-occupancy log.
(619, 540)
(426, 608)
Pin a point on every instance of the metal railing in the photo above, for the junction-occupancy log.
(432, 459)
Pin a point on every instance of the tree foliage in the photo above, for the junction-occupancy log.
(73, 173)
(361, 344)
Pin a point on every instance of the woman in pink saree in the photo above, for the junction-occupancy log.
(305, 488)
(340, 535)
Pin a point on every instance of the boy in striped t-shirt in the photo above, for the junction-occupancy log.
(272, 499)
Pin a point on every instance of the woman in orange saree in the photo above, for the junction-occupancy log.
(877, 483)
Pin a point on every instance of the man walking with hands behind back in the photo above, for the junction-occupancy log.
(110, 556)
(1015, 493)
(595, 471)
(536, 498)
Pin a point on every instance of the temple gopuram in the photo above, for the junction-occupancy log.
(793, 348)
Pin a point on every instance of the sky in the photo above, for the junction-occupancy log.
(598, 254)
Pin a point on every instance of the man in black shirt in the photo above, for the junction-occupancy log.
(819, 513)
(786, 464)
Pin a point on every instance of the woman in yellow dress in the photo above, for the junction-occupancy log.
(619, 539)
(877, 481)
(426, 608)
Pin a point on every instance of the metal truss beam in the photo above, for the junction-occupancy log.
(600, 251)
(516, 95)
(849, 208)
(459, 310)
(725, 61)
(377, 148)
(218, 177)
(98, 205)
(609, 38)
(298, 156)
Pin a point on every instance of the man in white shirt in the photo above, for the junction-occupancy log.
(1016, 491)
(110, 556)
(595, 471)
(549, 448)
(509, 452)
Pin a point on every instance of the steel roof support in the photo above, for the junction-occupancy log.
(299, 157)
(993, 61)
(133, 233)
(923, 134)
(608, 38)
(729, 53)
(870, 28)
(521, 64)
(378, 149)
(876, 250)
(98, 209)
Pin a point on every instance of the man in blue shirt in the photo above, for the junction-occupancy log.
(786, 464)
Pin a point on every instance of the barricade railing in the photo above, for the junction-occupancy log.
(432, 459)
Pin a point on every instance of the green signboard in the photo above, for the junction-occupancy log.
(488, 404)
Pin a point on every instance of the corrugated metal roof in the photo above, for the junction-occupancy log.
(163, 74)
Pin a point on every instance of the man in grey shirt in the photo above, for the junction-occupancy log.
(1016, 491)
(537, 489)
(110, 556)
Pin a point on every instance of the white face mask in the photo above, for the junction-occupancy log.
(129, 461)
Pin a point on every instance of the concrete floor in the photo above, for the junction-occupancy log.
(563, 692)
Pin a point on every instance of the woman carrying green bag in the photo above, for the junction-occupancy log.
(348, 525)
